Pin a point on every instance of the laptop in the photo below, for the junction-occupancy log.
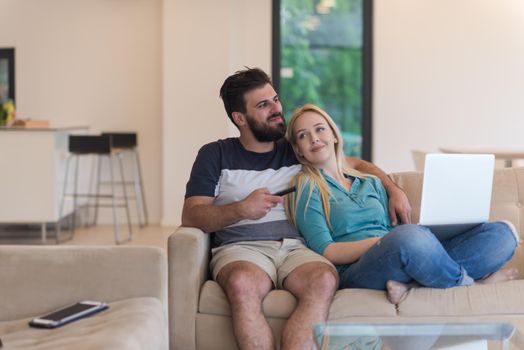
(456, 192)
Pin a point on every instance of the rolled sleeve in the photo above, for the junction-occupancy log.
(383, 197)
(311, 221)
(205, 172)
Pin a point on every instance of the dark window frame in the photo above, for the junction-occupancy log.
(367, 69)
(9, 54)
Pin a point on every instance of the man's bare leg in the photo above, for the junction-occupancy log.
(246, 285)
(314, 285)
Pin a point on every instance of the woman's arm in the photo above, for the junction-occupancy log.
(348, 252)
(313, 226)
(311, 221)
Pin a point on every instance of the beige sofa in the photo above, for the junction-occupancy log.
(200, 316)
(37, 280)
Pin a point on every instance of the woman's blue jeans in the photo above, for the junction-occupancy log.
(412, 253)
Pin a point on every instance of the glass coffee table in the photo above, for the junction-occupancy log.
(417, 336)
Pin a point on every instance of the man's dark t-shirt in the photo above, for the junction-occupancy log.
(228, 172)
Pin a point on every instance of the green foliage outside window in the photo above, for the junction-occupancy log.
(321, 61)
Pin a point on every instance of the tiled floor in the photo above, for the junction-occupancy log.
(94, 235)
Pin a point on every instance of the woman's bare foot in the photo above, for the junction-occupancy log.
(395, 291)
(501, 275)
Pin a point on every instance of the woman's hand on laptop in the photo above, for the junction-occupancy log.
(399, 207)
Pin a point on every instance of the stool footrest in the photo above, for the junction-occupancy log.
(107, 205)
(107, 183)
(88, 195)
(99, 196)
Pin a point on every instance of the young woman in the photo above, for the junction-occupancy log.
(343, 215)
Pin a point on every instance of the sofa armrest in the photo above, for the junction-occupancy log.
(36, 280)
(188, 260)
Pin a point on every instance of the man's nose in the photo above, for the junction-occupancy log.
(275, 106)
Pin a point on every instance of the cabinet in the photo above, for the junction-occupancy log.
(32, 163)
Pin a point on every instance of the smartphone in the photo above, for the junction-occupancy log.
(284, 192)
(68, 314)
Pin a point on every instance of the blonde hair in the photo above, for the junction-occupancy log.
(310, 176)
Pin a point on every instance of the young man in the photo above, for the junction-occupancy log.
(230, 194)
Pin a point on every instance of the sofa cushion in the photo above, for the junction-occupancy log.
(137, 323)
(360, 302)
(280, 303)
(213, 300)
(483, 299)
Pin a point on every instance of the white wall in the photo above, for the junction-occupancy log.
(204, 42)
(91, 62)
(447, 73)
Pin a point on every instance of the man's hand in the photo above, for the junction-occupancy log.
(200, 212)
(399, 207)
(259, 203)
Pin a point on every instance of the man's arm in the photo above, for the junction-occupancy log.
(200, 212)
(399, 206)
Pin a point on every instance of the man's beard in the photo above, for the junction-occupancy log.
(264, 132)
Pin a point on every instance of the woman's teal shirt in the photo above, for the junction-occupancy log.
(355, 215)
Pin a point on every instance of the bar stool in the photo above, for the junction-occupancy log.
(100, 146)
(126, 142)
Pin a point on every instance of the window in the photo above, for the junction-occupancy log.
(322, 55)
(7, 74)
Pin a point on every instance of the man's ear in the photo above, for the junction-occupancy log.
(239, 118)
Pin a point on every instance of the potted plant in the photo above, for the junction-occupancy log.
(7, 112)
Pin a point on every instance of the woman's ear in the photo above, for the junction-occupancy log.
(238, 118)
(336, 141)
